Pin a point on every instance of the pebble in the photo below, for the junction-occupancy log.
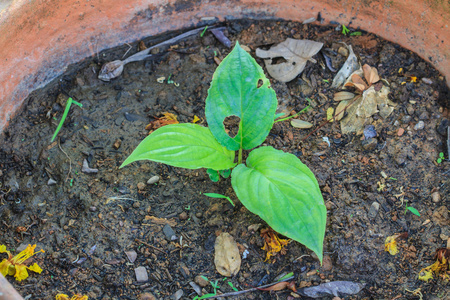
(87, 169)
(141, 274)
(196, 288)
(141, 186)
(183, 216)
(410, 109)
(424, 116)
(92, 208)
(327, 264)
(51, 182)
(117, 144)
(201, 281)
(436, 197)
(442, 127)
(146, 296)
(373, 210)
(400, 131)
(419, 126)
(178, 294)
(369, 144)
(132, 255)
(427, 80)
(369, 132)
(406, 119)
(153, 179)
(169, 233)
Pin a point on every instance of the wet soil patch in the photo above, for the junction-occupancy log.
(86, 222)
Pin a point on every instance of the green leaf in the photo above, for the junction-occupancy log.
(213, 175)
(225, 173)
(414, 211)
(234, 91)
(189, 146)
(283, 191)
(215, 195)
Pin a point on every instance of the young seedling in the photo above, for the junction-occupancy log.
(345, 30)
(440, 158)
(411, 209)
(273, 184)
(214, 195)
(64, 116)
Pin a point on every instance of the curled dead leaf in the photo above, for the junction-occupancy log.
(295, 52)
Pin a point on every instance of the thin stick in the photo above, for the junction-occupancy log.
(70, 161)
(249, 290)
(332, 119)
(151, 246)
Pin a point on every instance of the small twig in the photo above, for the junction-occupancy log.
(70, 161)
(249, 290)
(151, 246)
(332, 119)
(127, 50)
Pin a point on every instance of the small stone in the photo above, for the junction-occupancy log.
(419, 126)
(343, 51)
(141, 274)
(436, 197)
(424, 116)
(169, 233)
(400, 131)
(136, 204)
(327, 264)
(178, 294)
(369, 144)
(196, 288)
(201, 281)
(117, 144)
(141, 186)
(146, 296)
(183, 216)
(92, 208)
(427, 80)
(442, 127)
(153, 179)
(132, 255)
(51, 182)
(87, 169)
(410, 109)
(406, 119)
(373, 210)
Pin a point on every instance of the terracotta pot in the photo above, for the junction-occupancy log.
(39, 39)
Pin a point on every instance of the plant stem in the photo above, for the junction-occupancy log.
(297, 114)
(240, 156)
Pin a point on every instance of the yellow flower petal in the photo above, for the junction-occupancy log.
(21, 272)
(62, 297)
(425, 274)
(35, 268)
(3, 249)
(330, 112)
(4, 267)
(196, 119)
(390, 245)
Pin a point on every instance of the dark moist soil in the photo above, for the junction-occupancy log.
(115, 210)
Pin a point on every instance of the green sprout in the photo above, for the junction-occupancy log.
(440, 158)
(355, 33)
(411, 209)
(203, 32)
(215, 195)
(294, 115)
(64, 116)
(345, 30)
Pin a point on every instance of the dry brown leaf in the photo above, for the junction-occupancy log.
(226, 255)
(168, 118)
(370, 74)
(341, 106)
(359, 83)
(295, 52)
(339, 96)
(301, 124)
